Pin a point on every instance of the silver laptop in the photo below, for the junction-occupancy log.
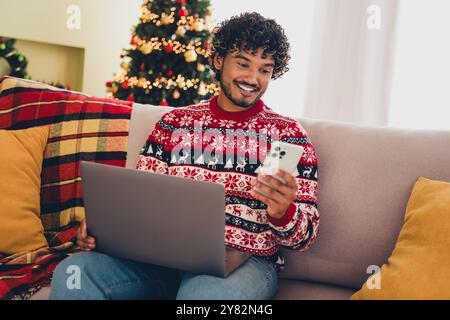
(158, 219)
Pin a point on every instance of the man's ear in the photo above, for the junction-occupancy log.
(218, 62)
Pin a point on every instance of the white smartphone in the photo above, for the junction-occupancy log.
(283, 156)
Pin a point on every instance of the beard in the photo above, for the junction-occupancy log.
(226, 89)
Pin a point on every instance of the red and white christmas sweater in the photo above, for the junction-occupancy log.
(206, 143)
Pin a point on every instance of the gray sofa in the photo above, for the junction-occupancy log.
(365, 178)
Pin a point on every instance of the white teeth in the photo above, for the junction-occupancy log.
(248, 89)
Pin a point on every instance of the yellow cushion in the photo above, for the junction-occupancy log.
(21, 156)
(419, 267)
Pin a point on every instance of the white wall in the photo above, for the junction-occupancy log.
(105, 31)
(420, 92)
(285, 95)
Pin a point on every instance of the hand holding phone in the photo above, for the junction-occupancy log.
(282, 155)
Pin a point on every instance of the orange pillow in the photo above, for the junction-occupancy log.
(21, 157)
(419, 267)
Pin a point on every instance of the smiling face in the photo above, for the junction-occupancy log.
(244, 78)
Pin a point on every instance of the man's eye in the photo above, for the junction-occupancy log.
(265, 72)
(242, 65)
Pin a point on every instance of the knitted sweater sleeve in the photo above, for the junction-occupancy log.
(298, 228)
(154, 155)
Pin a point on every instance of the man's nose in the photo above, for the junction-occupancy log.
(251, 77)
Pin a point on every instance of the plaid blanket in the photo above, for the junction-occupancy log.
(23, 274)
(82, 128)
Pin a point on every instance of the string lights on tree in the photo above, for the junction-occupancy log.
(166, 62)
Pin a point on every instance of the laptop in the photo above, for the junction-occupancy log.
(158, 219)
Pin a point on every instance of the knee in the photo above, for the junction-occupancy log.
(68, 274)
(81, 261)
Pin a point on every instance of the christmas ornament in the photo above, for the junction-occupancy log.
(201, 67)
(183, 12)
(131, 98)
(142, 82)
(181, 31)
(133, 40)
(199, 26)
(170, 73)
(142, 67)
(146, 48)
(181, 1)
(190, 56)
(164, 103)
(125, 85)
(109, 84)
(168, 48)
(176, 94)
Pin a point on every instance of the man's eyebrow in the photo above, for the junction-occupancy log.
(239, 56)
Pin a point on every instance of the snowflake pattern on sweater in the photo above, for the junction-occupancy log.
(205, 143)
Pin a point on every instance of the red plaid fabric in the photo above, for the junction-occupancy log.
(82, 128)
(23, 274)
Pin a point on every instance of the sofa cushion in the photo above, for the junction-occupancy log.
(81, 128)
(366, 175)
(143, 120)
(20, 171)
(306, 290)
(419, 266)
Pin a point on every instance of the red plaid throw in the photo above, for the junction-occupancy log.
(83, 128)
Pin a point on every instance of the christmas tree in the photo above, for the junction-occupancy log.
(12, 62)
(167, 60)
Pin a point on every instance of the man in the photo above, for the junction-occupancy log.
(235, 127)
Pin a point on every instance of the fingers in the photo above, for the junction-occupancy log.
(275, 189)
(274, 183)
(276, 195)
(264, 199)
(268, 192)
(86, 244)
(289, 178)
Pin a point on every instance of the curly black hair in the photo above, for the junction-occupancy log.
(250, 32)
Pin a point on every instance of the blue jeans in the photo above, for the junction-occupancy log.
(104, 277)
